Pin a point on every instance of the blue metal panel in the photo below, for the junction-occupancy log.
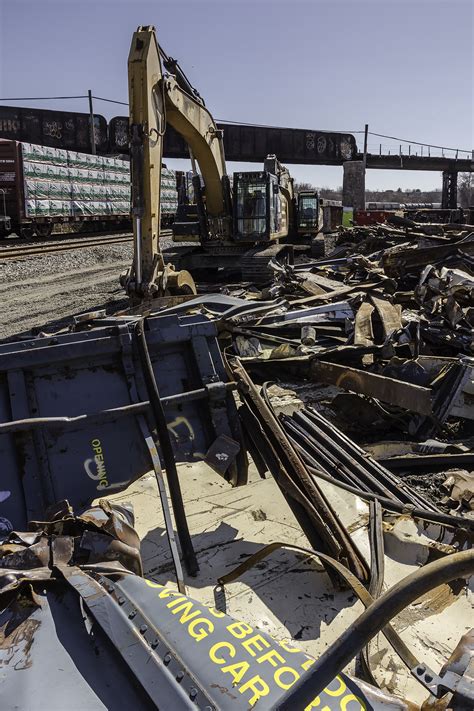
(52, 662)
(89, 374)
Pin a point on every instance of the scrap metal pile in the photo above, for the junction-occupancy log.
(387, 317)
(379, 331)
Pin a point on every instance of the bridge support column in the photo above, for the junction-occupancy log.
(449, 197)
(353, 185)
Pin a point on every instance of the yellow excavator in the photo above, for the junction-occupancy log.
(239, 224)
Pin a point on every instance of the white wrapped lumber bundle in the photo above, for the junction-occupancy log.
(67, 183)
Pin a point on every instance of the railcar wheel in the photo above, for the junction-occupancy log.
(27, 232)
(44, 229)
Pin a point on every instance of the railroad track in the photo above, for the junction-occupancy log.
(24, 251)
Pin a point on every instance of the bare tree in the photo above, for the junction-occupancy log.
(465, 189)
(300, 187)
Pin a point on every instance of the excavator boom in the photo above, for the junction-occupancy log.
(149, 277)
(146, 150)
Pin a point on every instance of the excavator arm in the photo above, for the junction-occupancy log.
(156, 99)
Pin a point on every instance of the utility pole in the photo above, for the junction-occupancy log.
(470, 183)
(91, 123)
(366, 134)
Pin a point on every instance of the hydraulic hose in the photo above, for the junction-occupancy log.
(372, 621)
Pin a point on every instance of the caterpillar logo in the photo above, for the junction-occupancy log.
(95, 466)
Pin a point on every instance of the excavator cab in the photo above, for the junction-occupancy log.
(260, 211)
(308, 213)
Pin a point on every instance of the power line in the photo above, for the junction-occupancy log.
(263, 125)
(418, 143)
(110, 101)
(55, 98)
(41, 98)
(125, 103)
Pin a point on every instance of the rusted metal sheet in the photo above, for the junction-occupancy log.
(389, 314)
(363, 331)
(400, 261)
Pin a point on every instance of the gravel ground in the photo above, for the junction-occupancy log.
(43, 293)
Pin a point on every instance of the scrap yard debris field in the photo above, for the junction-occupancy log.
(236, 414)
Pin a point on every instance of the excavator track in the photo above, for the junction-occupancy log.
(254, 263)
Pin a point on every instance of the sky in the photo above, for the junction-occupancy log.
(405, 67)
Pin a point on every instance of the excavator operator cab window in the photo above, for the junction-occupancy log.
(308, 210)
(251, 199)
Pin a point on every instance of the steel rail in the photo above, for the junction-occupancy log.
(27, 251)
(37, 247)
(58, 237)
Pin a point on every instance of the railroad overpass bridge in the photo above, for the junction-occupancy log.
(414, 162)
(242, 142)
(450, 168)
(252, 143)
(297, 146)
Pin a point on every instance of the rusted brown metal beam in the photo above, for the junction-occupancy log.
(395, 392)
(398, 262)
